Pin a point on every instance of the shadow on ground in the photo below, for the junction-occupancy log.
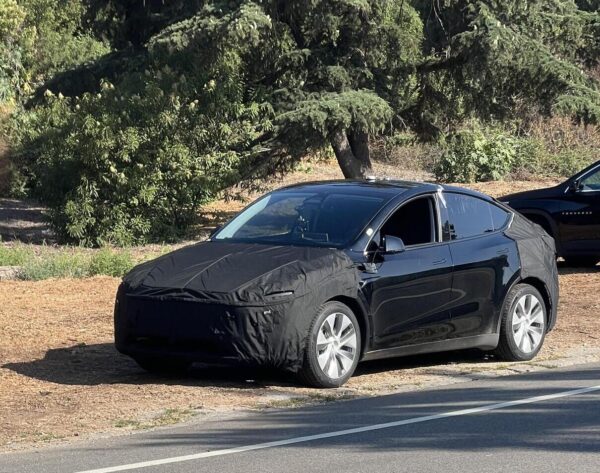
(90, 365)
(564, 269)
(24, 221)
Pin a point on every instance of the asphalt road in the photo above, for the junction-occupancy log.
(540, 422)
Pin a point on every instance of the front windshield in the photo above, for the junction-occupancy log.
(332, 219)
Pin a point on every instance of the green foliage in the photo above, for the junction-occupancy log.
(63, 264)
(39, 38)
(134, 162)
(472, 156)
(11, 18)
(207, 93)
(57, 40)
(110, 263)
(484, 155)
(122, 169)
(38, 263)
(15, 255)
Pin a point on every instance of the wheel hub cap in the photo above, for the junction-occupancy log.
(528, 323)
(336, 345)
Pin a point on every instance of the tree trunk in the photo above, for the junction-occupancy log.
(359, 142)
(352, 154)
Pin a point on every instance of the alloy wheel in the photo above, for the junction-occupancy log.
(336, 345)
(528, 323)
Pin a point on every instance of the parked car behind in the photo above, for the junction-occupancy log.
(570, 212)
(315, 277)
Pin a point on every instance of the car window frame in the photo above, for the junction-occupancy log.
(432, 196)
(506, 225)
(584, 176)
(580, 176)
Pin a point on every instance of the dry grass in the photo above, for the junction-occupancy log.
(61, 377)
(561, 133)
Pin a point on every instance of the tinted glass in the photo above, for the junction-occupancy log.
(332, 219)
(591, 182)
(413, 223)
(468, 216)
(499, 216)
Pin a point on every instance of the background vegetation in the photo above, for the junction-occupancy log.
(123, 117)
(36, 263)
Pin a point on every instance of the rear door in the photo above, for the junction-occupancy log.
(485, 261)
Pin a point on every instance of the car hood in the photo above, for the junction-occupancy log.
(547, 193)
(238, 272)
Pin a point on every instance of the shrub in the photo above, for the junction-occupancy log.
(477, 155)
(61, 264)
(14, 255)
(471, 156)
(123, 170)
(38, 263)
(110, 263)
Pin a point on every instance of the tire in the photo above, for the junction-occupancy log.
(582, 261)
(525, 309)
(335, 335)
(163, 366)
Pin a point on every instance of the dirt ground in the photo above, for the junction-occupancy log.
(60, 376)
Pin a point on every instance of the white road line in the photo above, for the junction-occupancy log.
(340, 433)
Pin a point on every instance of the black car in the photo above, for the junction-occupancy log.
(315, 277)
(570, 212)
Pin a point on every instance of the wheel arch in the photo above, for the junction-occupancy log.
(543, 290)
(361, 316)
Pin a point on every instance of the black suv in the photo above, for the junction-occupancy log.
(315, 277)
(570, 212)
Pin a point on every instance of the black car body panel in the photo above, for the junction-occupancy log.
(570, 212)
(253, 303)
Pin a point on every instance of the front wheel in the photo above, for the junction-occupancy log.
(333, 347)
(523, 325)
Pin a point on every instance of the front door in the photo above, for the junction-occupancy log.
(409, 292)
(579, 219)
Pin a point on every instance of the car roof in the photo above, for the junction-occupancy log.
(387, 186)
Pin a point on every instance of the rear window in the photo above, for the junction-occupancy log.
(470, 216)
(499, 216)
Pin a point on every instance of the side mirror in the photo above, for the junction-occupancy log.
(575, 186)
(392, 245)
(215, 230)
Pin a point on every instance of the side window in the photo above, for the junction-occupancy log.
(499, 216)
(591, 182)
(469, 216)
(414, 223)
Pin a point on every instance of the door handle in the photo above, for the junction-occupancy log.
(439, 261)
(503, 251)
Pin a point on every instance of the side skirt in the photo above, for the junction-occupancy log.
(484, 342)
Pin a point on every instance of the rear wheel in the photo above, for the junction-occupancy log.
(163, 366)
(333, 347)
(582, 261)
(523, 325)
